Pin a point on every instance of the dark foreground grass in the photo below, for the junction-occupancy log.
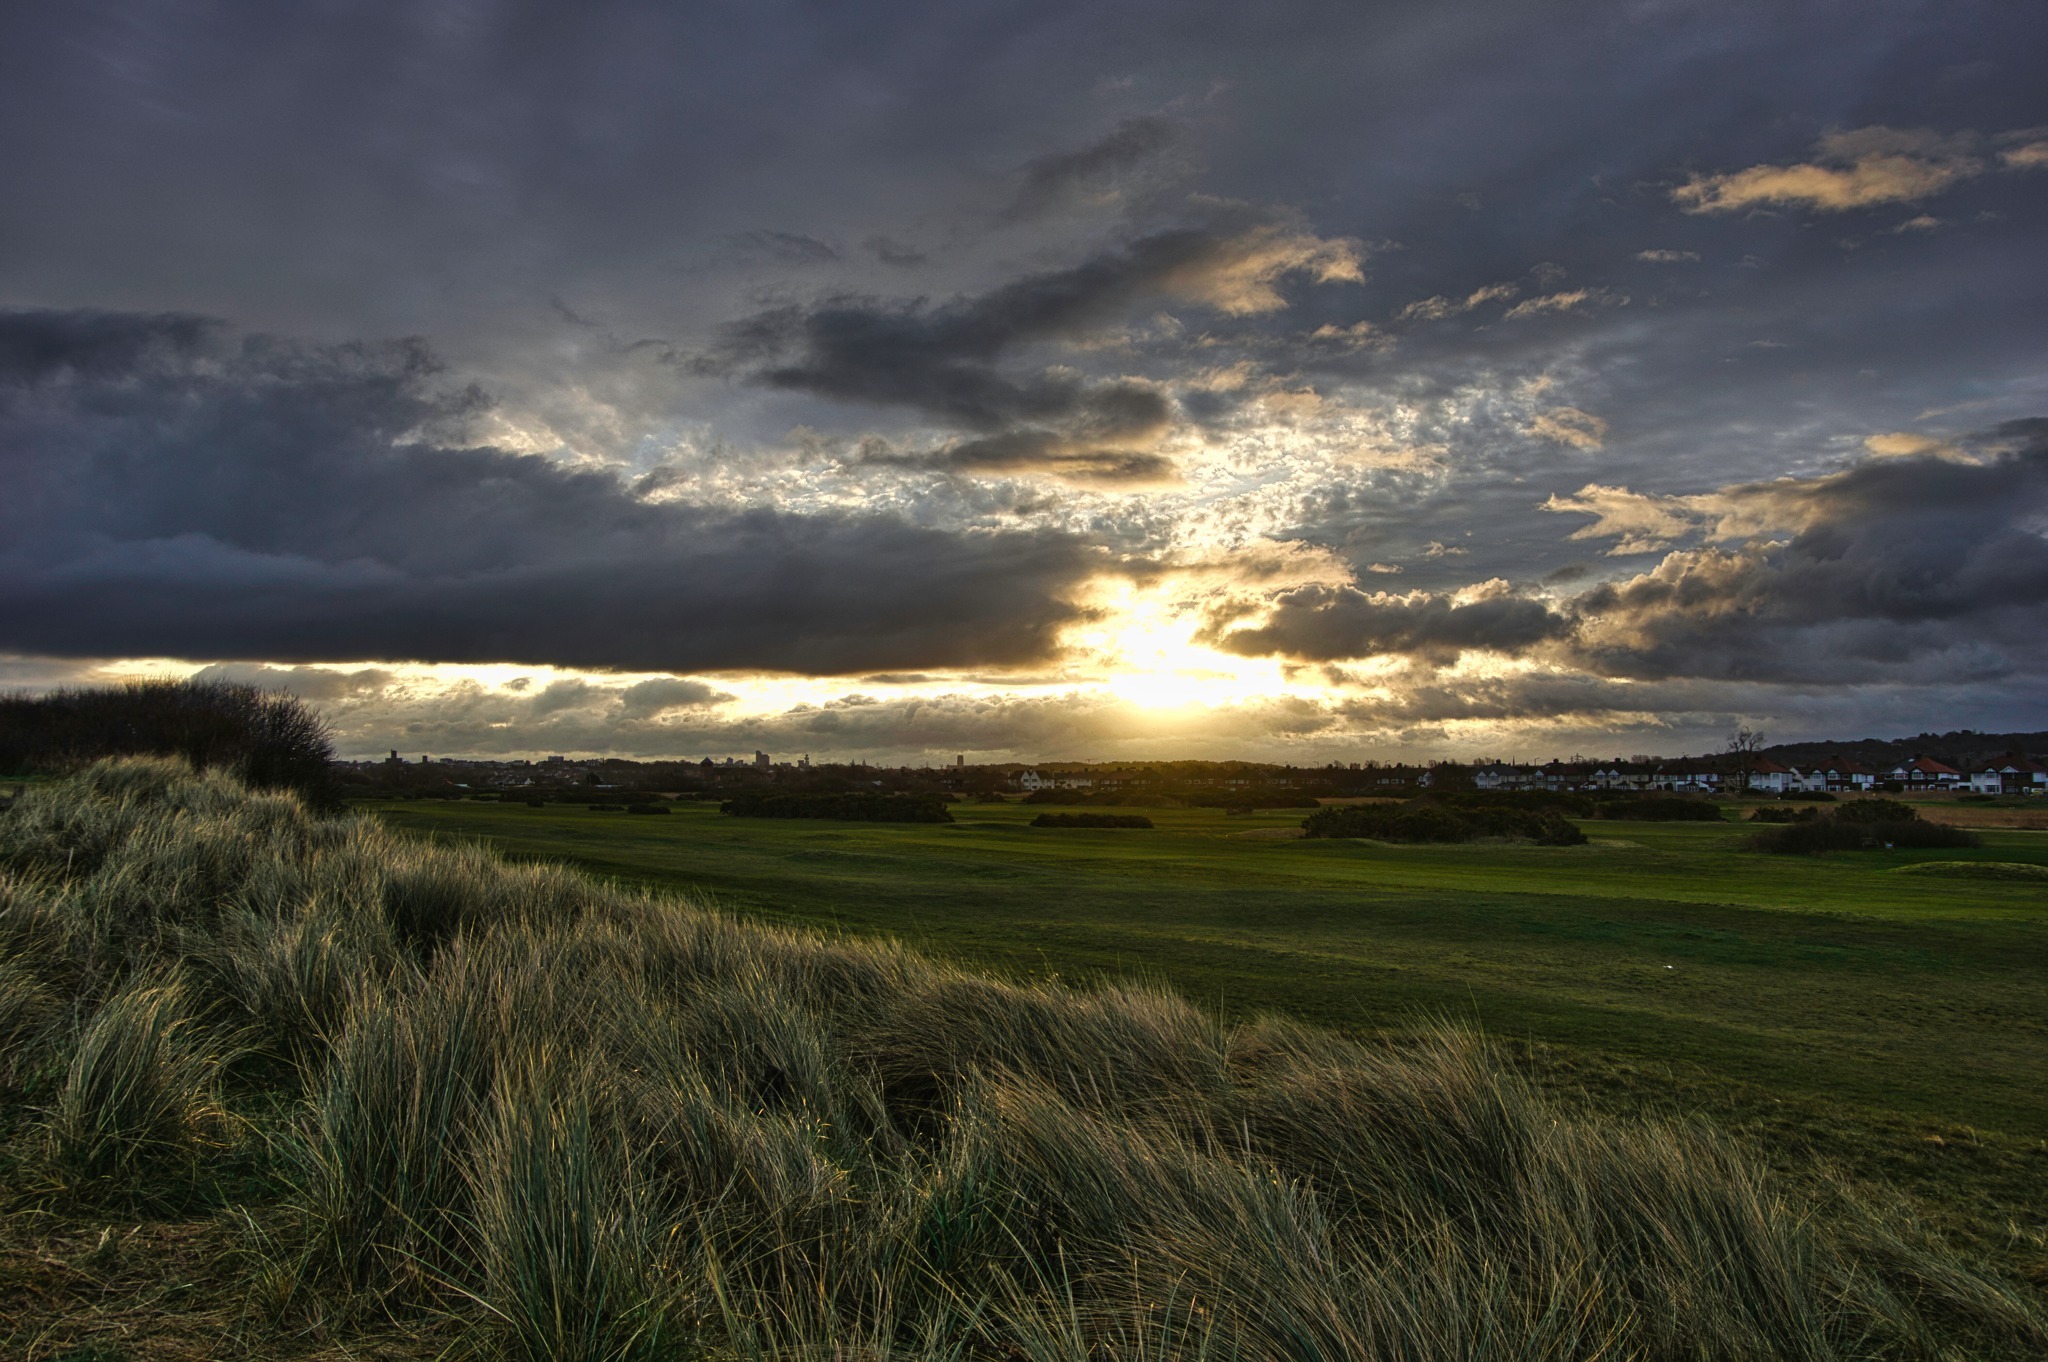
(278, 1086)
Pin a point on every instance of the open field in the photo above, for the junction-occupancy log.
(1892, 1023)
(281, 1086)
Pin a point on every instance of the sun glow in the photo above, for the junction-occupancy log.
(1143, 645)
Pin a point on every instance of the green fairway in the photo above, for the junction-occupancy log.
(1827, 980)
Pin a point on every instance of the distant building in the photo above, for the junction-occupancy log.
(1838, 773)
(1769, 777)
(761, 761)
(2017, 775)
(1925, 773)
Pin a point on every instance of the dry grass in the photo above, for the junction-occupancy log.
(2033, 819)
(356, 1093)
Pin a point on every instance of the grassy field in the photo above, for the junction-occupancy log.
(1892, 1023)
(280, 1086)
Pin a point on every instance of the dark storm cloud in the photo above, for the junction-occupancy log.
(938, 359)
(175, 491)
(1893, 568)
(1034, 452)
(1332, 623)
(1050, 181)
(943, 360)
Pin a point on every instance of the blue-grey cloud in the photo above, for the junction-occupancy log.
(175, 490)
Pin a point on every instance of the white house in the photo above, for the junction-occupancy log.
(2020, 776)
(1498, 776)
(1839, 773)
(1768, 777)
(1925, 773)
(1028, 781)
(1812, 780)
(1685, 775)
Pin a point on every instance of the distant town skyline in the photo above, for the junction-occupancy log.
(1034, 382)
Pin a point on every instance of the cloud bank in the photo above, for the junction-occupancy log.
(176, 490)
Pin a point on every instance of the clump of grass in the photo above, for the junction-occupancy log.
(381, 1151)
(565, 1241)
(139, 1100)
(585, 1123)
(30, 1016)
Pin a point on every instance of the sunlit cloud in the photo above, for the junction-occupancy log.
(1861, 168)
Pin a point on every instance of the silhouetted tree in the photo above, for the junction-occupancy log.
(1742, 751)
(271, 739)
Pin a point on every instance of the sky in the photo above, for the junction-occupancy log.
(1029, 381)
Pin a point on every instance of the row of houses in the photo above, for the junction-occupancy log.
(1836, 775)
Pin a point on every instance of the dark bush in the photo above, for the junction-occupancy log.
(860, 808)
(1091, 820)
(1425, 821)
(1098, 799)
(536, 803)
(1252, 803)
(1660, 809)
(270, 739)
(647, 808)
(1811, 836)
(1876, 811)
(1570, 805)
(1767, 814)
(1808, 797)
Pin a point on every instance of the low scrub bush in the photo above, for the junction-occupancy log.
(1560, 801)
(1100, 799)
(1421, 820)
(1251, 802)
(539, 1117)
(1876, 811)
(862, 808)
(1091, 820)
(1656, 809)
(1772, 813)
(1838, 831)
